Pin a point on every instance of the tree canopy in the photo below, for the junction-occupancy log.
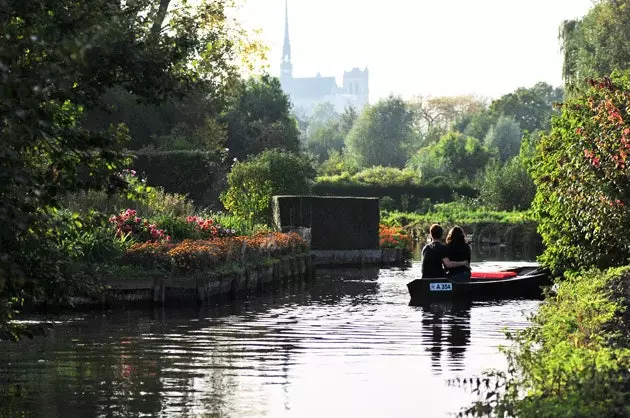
(596, 44)
(259, 119)
(382, 134)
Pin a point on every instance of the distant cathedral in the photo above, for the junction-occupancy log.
(307, 92)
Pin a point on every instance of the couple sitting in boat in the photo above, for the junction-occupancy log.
(451, 260)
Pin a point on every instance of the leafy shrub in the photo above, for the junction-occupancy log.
(153, 202)
(583, 179)
(386, 176)
(253, 183)
(337, 163)
(387, 203)
(507, 187)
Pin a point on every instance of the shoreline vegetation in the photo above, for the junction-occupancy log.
(514, 229)
(573, 360)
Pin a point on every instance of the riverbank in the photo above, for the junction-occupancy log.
(574, 359)
(513, 229)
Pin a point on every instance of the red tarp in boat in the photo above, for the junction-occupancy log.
(492, 274)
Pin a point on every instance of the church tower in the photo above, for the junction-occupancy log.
(357, 84)
(286, 68)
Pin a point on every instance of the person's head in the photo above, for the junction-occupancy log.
(436, 231)
(456, 236)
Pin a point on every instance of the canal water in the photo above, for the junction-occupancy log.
(346, 344)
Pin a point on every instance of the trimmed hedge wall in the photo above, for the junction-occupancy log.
(411, 196)
(336, 223)
(199, 174)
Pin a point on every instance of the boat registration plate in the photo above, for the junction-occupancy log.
(440, 287)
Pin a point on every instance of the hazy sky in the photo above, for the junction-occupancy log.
(428, 47)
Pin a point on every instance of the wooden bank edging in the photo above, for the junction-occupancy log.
(204, 286)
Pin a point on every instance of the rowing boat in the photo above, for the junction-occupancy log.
(518, 282)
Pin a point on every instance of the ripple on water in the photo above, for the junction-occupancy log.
(348, 344)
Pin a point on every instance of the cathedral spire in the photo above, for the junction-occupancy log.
(286, 68)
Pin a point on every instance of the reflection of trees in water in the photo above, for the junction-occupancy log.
(446, 327)
(152, 362)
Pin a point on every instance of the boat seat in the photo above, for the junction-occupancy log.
(493, 275)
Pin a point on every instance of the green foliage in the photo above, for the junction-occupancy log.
(399, 185)
(327, 130)
(477, 124)
(572, 361)
(531, 108)
(434, 116)
(178, 123)
(259, 118)
(455, 156)
(382, 134)
(200, 175)
(338, 164)
(505, 136)
(582, 178)
(596, 44)
(507, 187)
(461, 212)
(156, 203)
(386, 176)
(253, 183)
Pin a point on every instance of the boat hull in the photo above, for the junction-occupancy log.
(528, 284)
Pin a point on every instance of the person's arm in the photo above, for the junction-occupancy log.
(452, 264)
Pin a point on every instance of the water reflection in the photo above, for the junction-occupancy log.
(446, 325)
(345, 344)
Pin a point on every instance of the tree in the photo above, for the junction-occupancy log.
(259, 119)
(381, 134)
(252, 183)
(57, 59)
(476, 124)
(327, 132)
(531, 108)
(455, 156)
(507, 186)
(505, 136)
(582, 177)
(178, 123)
(434, 116)
(597, 44)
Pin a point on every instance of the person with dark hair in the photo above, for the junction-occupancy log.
(457, 255)
(434, 254)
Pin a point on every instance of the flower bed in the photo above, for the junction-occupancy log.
(394, 237)
(203, 255)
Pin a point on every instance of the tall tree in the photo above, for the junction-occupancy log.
(531, 108)
(506, 137)
(455, 156)
(382, 134)
(596, 44)
(259, 118)
(434, 116)
(327, 134)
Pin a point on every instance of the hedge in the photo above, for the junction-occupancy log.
(406, 197)
(199, 174)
